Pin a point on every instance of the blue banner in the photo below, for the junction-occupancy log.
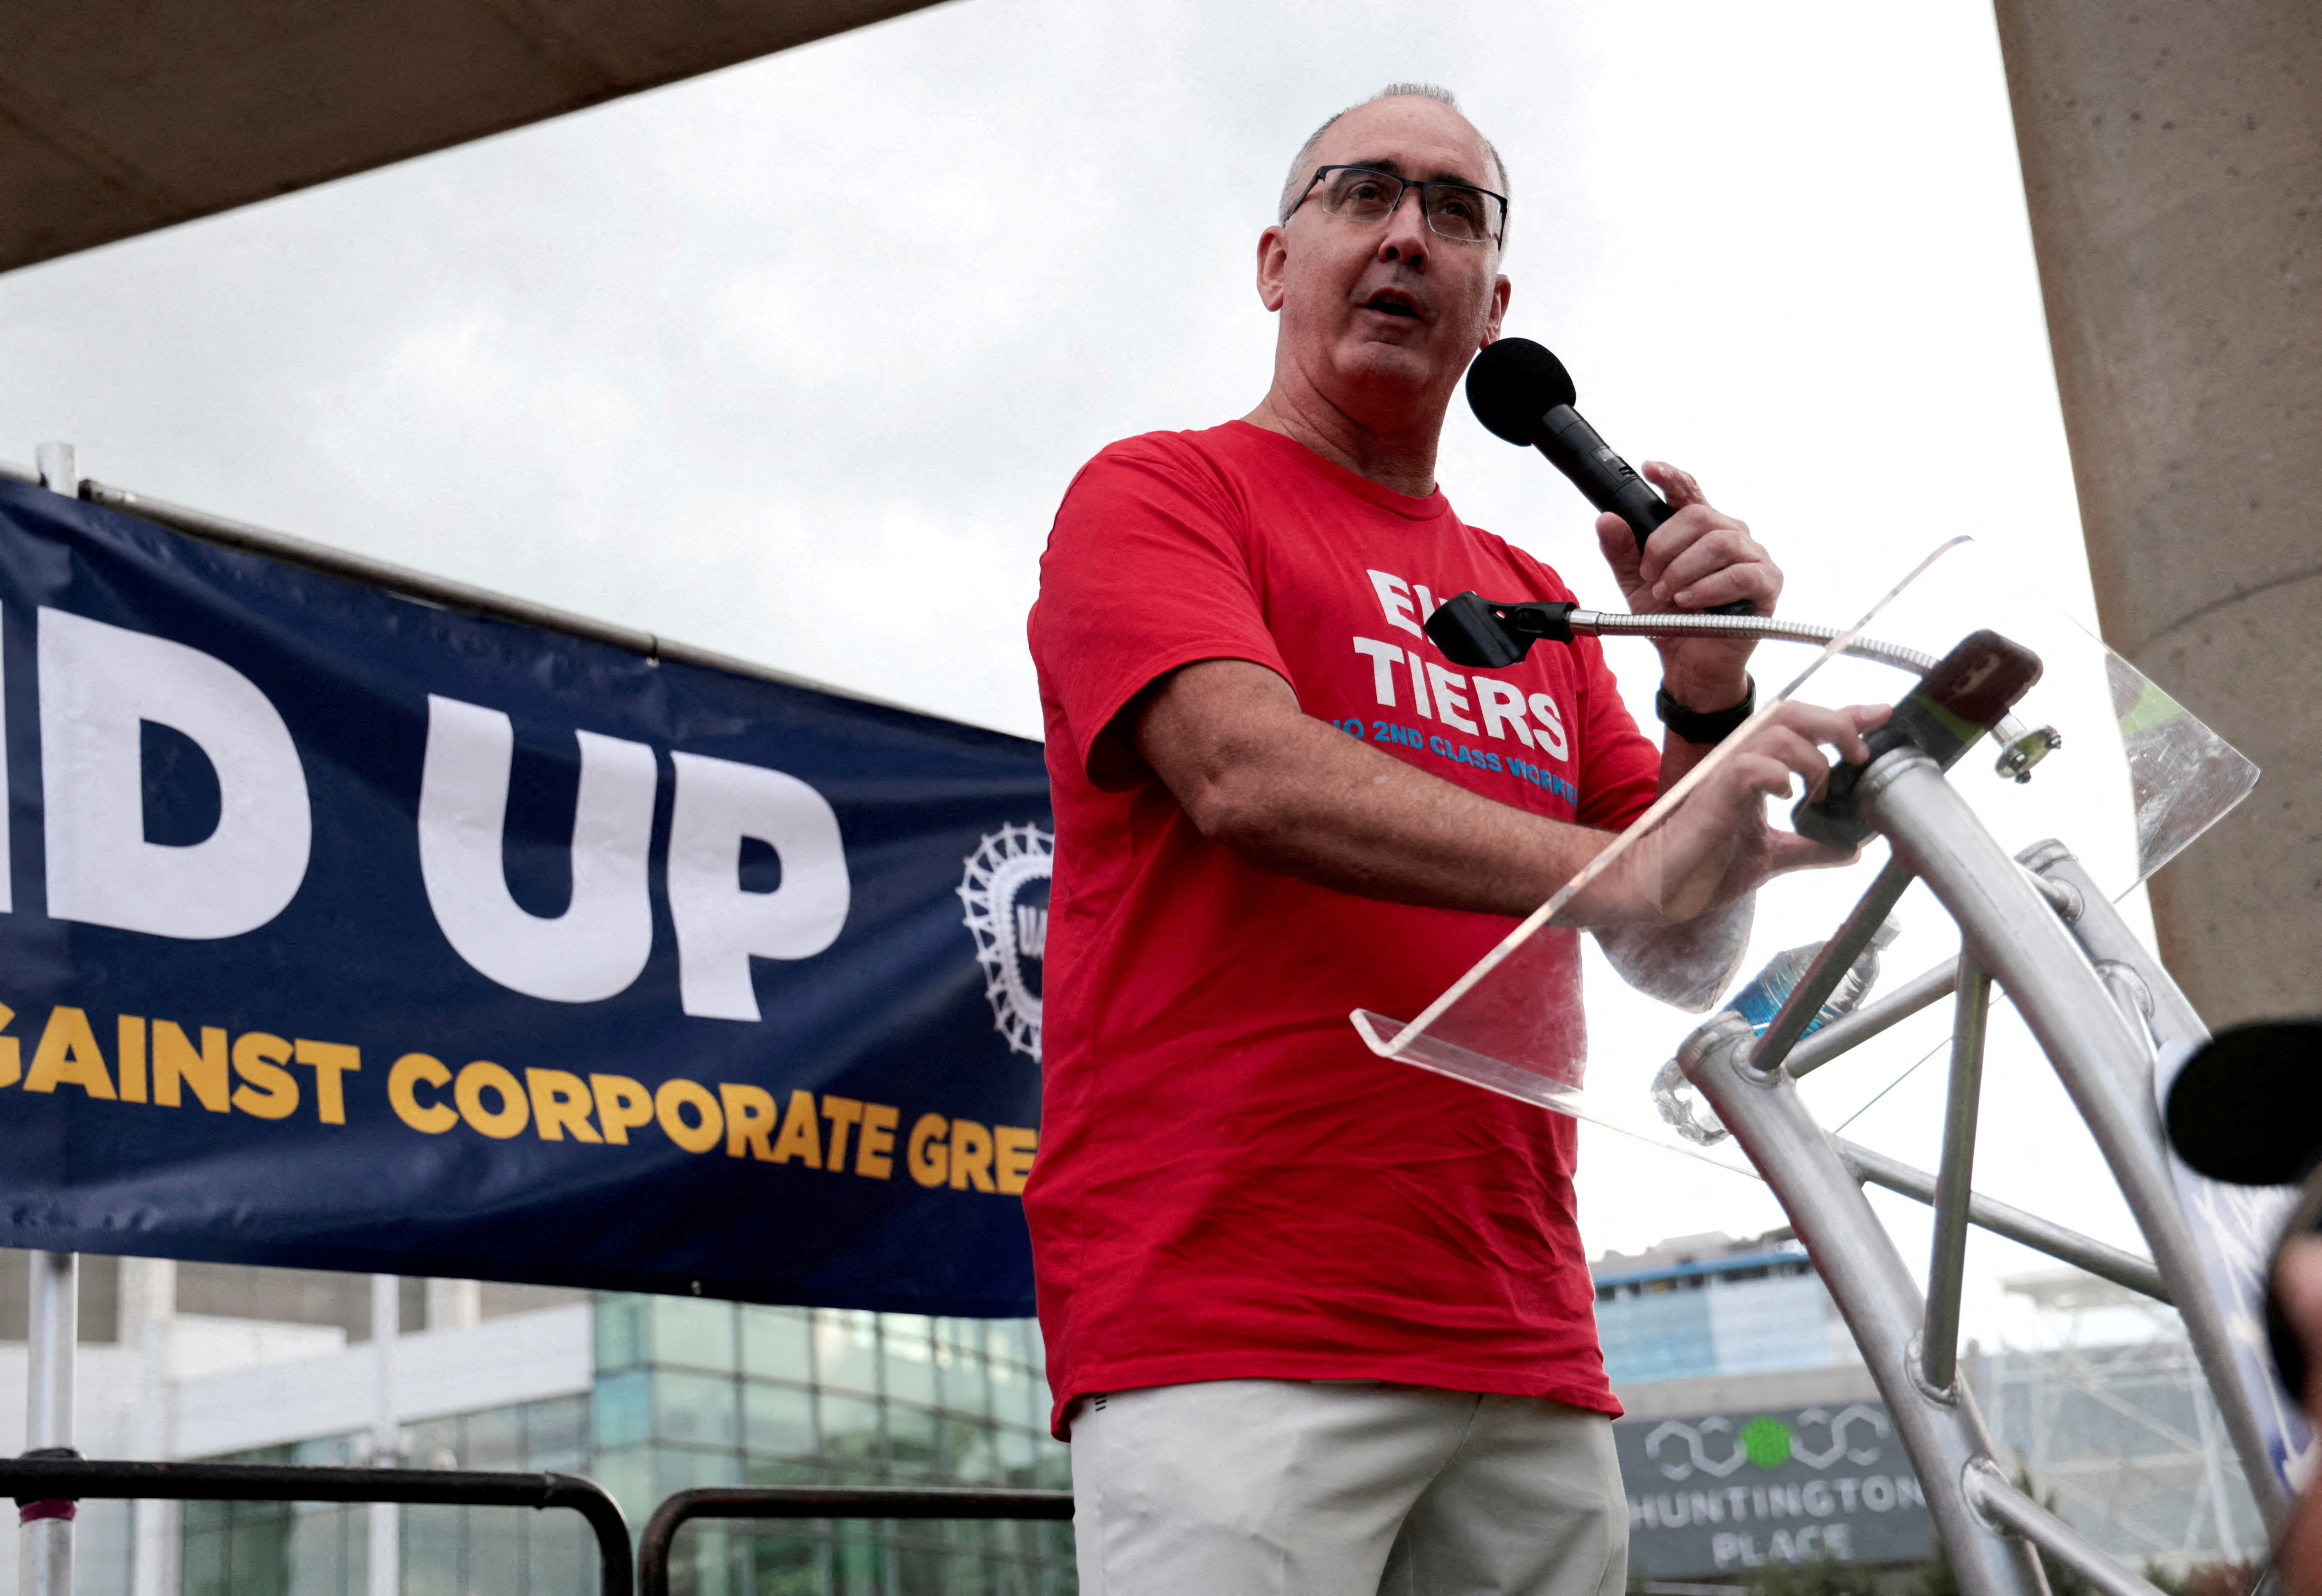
(344, 931)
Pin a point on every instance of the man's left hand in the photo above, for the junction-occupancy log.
(1697, 560)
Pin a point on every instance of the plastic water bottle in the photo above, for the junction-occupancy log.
(1771, 988)
(1681, 1104)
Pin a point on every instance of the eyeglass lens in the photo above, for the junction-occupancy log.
(1453, 209)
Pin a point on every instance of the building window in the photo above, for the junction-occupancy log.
(688, 1393)
(692, 1392)
(276, 1549)
(450, 1551)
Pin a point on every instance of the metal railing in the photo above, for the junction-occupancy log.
(815, 1501)
(73, 1479)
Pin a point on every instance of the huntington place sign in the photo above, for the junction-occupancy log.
(1723, 1494)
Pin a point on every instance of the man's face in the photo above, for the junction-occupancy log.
(1381, 319)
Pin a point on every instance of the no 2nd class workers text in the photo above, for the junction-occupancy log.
(1439, 694)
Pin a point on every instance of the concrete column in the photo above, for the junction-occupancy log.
(2172, 157)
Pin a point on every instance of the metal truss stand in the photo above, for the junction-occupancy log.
(2099, 1005)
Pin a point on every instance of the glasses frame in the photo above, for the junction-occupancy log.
(1405, 185)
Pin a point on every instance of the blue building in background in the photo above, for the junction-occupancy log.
(1708, 1305)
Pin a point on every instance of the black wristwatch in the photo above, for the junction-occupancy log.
(1714, 726)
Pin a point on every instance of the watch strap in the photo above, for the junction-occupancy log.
(1715, 725)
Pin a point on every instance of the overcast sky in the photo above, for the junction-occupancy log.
(767, 360)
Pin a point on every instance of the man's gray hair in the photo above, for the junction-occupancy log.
(1294, 187)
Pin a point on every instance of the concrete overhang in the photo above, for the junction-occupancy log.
(120, 117)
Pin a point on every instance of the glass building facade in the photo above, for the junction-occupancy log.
(322, 1548)
(1746, 1307)
(714, 1393)
(276, 1547)
(450, 1551)
(686, 1393)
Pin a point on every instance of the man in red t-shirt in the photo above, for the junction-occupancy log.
(1318, 1322)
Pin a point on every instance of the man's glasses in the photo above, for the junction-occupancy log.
(1366, 196)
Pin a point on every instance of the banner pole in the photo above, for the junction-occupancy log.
(53, 1335)
(386, 1561)
(53, 1331)
(54, 1304)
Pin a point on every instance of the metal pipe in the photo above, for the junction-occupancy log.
(405, 582)
(2235, 1265)
(385, 1540)
(2010, 931)
(2111, 945)
(1954, 1179)
(115, 1480)
(1996, 1500)
(2043, 1235)
(2130, 995)
(1830, 966)
(1817, 1048)
(1873, 1288)
(2066, 904)
(53, 1338)
(659, 1537)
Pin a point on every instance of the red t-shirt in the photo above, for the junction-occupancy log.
(1231, 1185)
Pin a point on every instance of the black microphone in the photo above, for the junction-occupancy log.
(2247, 1109)
(1522, 392)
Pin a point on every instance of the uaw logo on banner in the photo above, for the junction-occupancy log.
(346, 931)
(1724, 1491)
(1006, 891)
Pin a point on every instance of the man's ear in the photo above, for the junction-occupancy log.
(1273, 262)
(1500, 290)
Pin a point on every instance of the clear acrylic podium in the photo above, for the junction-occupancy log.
(2005, 874)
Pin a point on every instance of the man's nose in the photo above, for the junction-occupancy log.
(1405, 236)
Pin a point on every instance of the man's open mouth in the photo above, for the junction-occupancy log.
(1392, 305)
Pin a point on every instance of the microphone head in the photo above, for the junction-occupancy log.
(2248, 1108)
(1512, 384)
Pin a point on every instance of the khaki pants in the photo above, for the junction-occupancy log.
(1297, 1488)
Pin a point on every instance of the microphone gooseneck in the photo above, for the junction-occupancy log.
(1484, 634)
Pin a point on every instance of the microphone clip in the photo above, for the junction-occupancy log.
(1475, 632)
